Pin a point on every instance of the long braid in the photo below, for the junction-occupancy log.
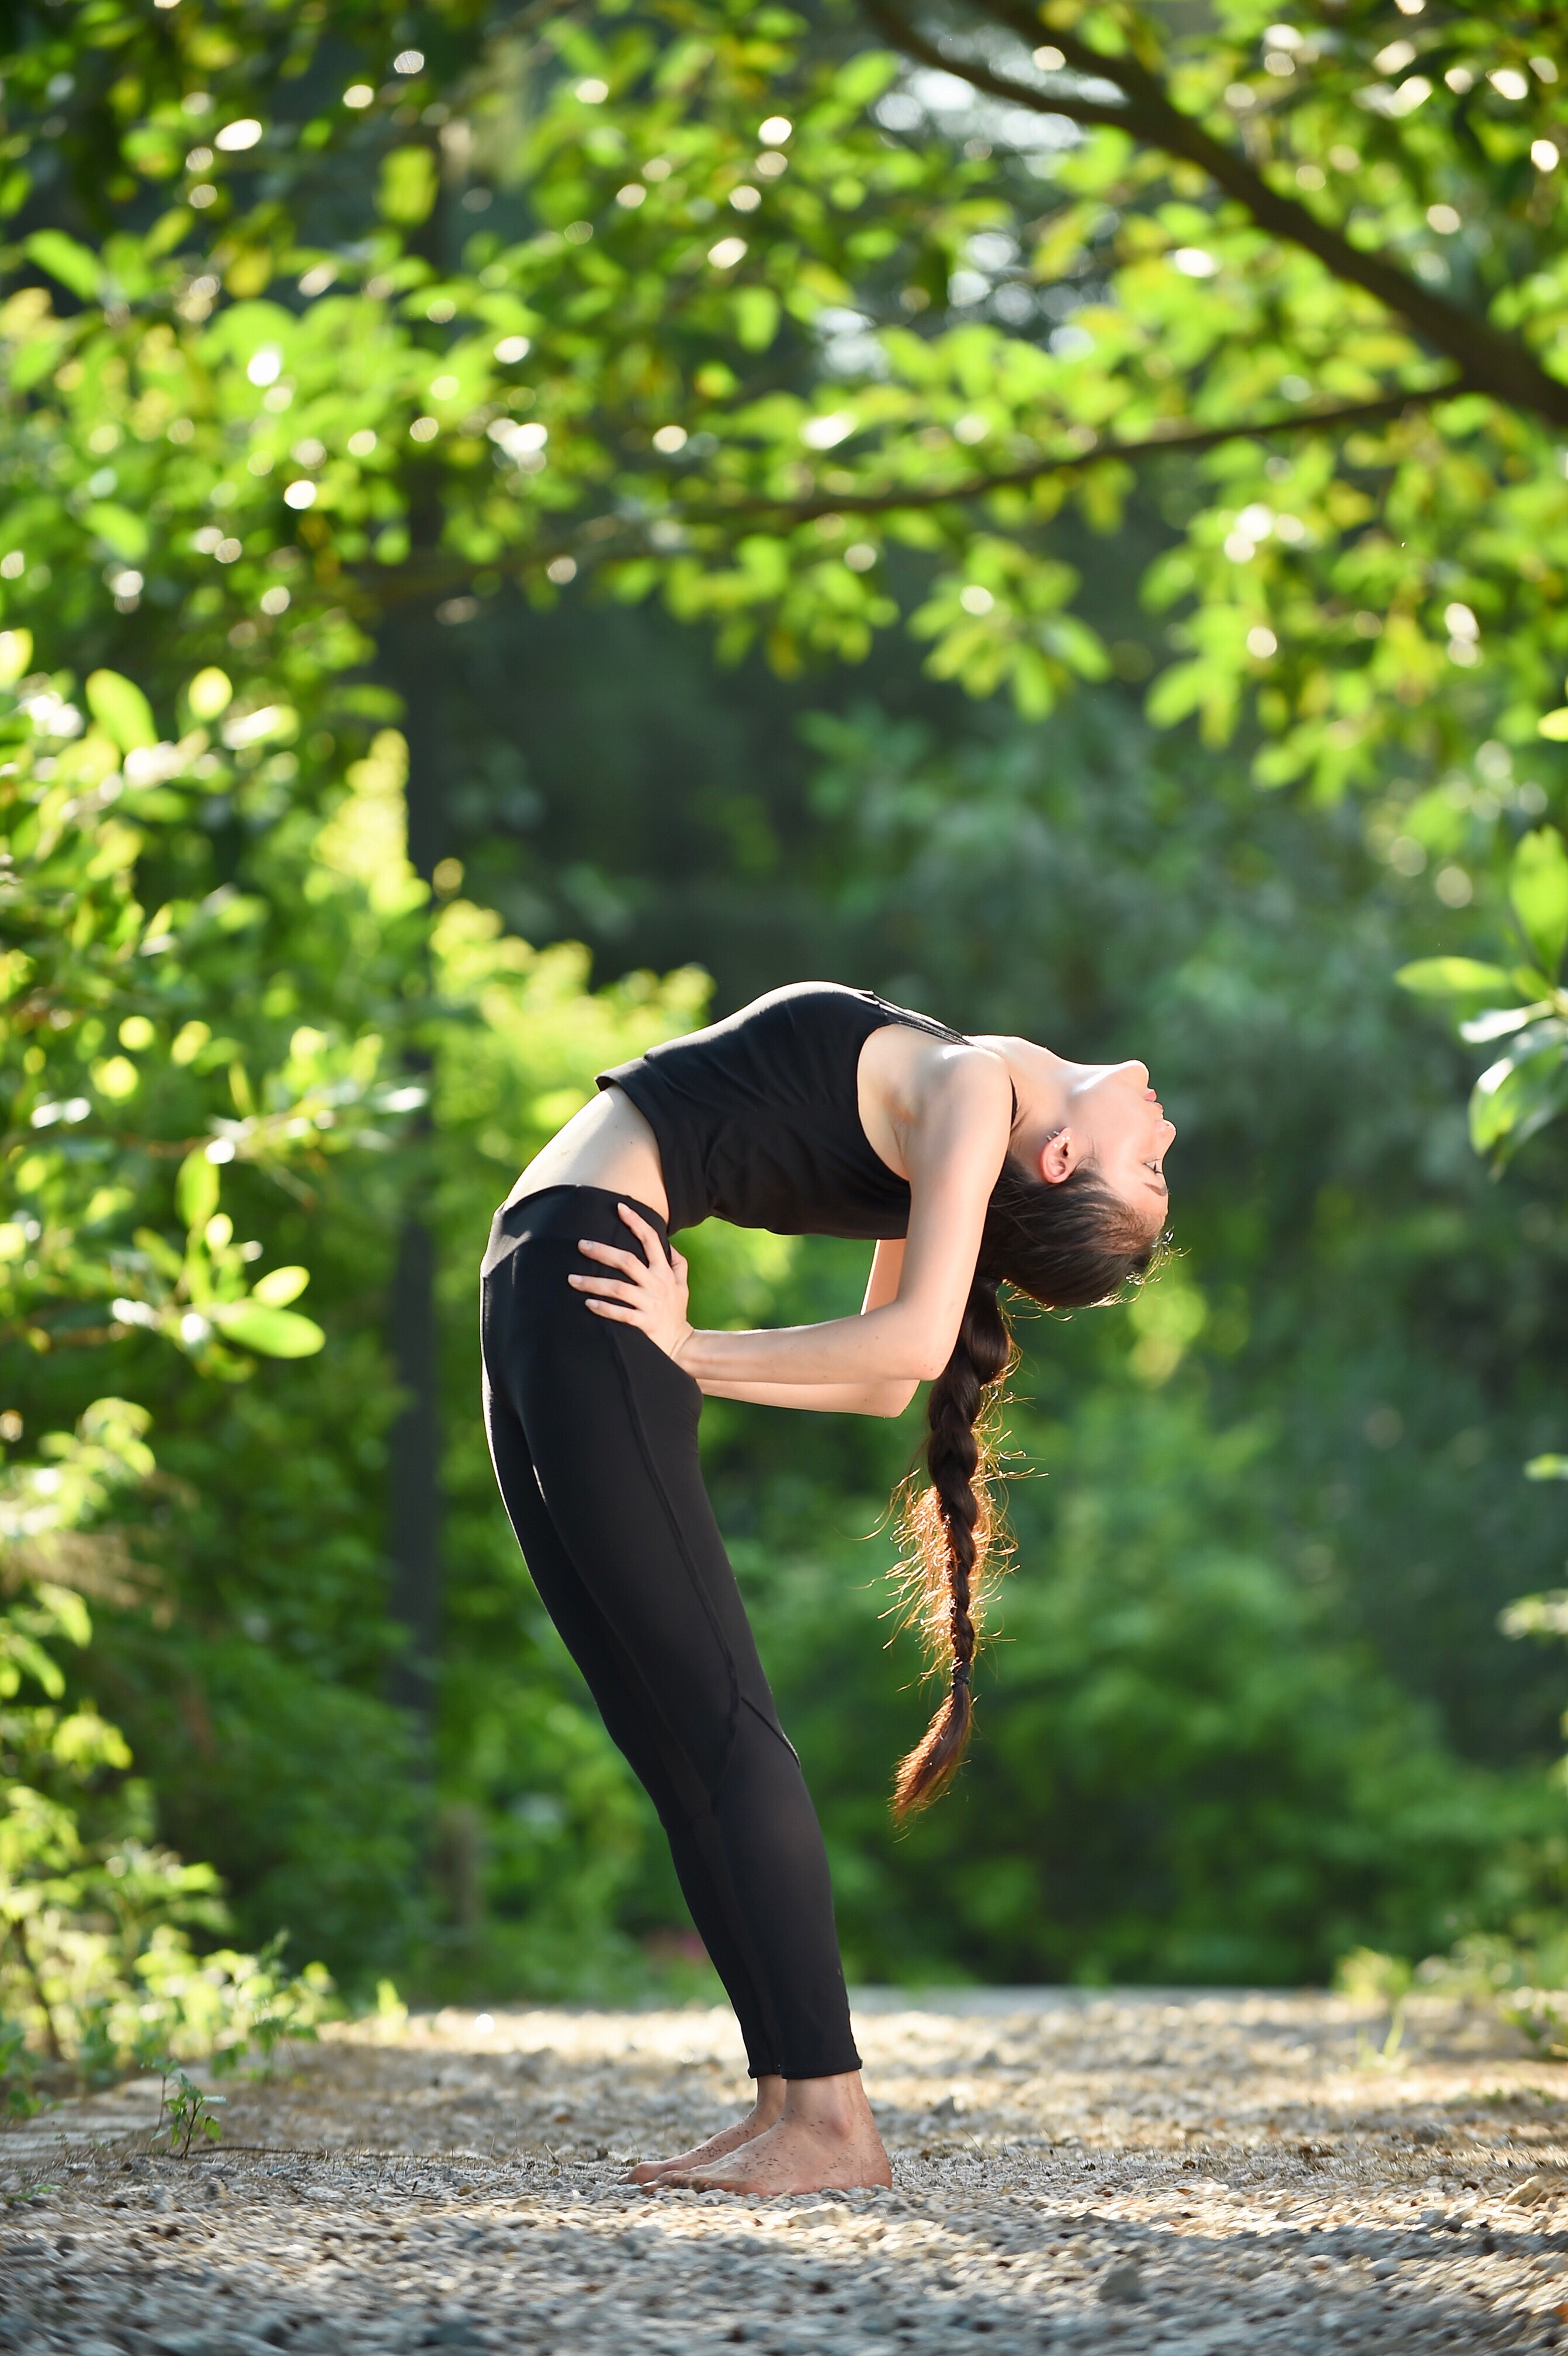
(1068, 1246)
(949, 1530)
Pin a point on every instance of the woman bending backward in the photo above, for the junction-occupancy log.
(817, 1111)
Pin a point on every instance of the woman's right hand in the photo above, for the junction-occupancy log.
(648, 1291)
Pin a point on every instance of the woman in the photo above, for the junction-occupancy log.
(817, 1111)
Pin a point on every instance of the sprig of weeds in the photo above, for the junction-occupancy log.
(391, 2014)
(287, 2010)
(1386, 2056)
(1369, 1977)
(1523, 1980)
(37, 2191)
(1542, 2016)
(187, 2111)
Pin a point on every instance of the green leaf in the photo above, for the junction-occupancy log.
(271, 1332)
(126, 533)
(210, 694)
(120, 706)
(1547, 1468)
(15, 654)
(70, 1613)
(1499, 1021)
(196, 1188)
(756, 310)
(1536, 1615)
(73, 264)
(408, 186)
(1455, 977)
(865, 77)
(280, 1286)
(1538, 887)
(1514, 1099)
(1556, 725)
(166, 232)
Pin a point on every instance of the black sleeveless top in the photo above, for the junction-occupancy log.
(758, 1118)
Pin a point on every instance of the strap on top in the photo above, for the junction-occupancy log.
(908, 1019)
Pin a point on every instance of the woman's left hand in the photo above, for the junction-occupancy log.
(649, 1292)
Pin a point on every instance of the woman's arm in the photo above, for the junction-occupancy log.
(824, 1399)
(839, 1398)
(956, 1145)
(887, 1274)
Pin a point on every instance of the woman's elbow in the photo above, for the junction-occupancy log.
(914, 1352)
(893, 1397)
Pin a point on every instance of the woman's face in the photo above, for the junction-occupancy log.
(1114, 1119)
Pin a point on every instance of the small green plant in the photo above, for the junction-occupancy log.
(1541, 2015)
(186, 2112)
(391, 2013)
(1522, 1978)
(37, 2191)
(1386, 2056)
(1368, 1978)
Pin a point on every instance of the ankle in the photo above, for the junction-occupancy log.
(834, 2105)
(768, 2103)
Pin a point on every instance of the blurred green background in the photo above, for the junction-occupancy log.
(340, 862)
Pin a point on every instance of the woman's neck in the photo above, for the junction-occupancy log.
(1042, 1083)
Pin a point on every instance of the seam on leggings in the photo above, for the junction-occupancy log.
(774, 1728)
(650, 1461)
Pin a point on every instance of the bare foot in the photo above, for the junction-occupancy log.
(793, 2158)
(764, 2113)
(826, 2140)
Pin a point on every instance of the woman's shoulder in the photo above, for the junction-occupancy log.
(939, 1065)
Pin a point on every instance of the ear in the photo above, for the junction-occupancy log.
(1060, 1156)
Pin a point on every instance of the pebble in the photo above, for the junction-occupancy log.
(1152, 2174)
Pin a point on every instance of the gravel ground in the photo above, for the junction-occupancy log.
(1172, 2171)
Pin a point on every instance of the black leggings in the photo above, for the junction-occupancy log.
(593, 1436)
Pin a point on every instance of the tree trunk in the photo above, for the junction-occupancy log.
(411, 663)
(414, 1499)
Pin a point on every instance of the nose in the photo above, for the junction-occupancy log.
(1136, 1070)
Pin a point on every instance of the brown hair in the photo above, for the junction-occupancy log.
(1074, 1245)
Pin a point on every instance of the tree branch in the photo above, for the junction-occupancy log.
(1490, 360)
(1157, 445)
(409, 581)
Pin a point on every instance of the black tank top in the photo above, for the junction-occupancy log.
(758, 1117)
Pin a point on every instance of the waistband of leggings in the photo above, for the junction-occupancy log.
(568, 1212)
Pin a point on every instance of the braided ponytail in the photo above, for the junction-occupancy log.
(1071, 1244)
(949, 1529)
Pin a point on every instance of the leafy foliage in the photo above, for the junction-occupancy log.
(139, 1127)
(97, 1962)
(737, 304)
(1528, 1085)
(317, 355)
